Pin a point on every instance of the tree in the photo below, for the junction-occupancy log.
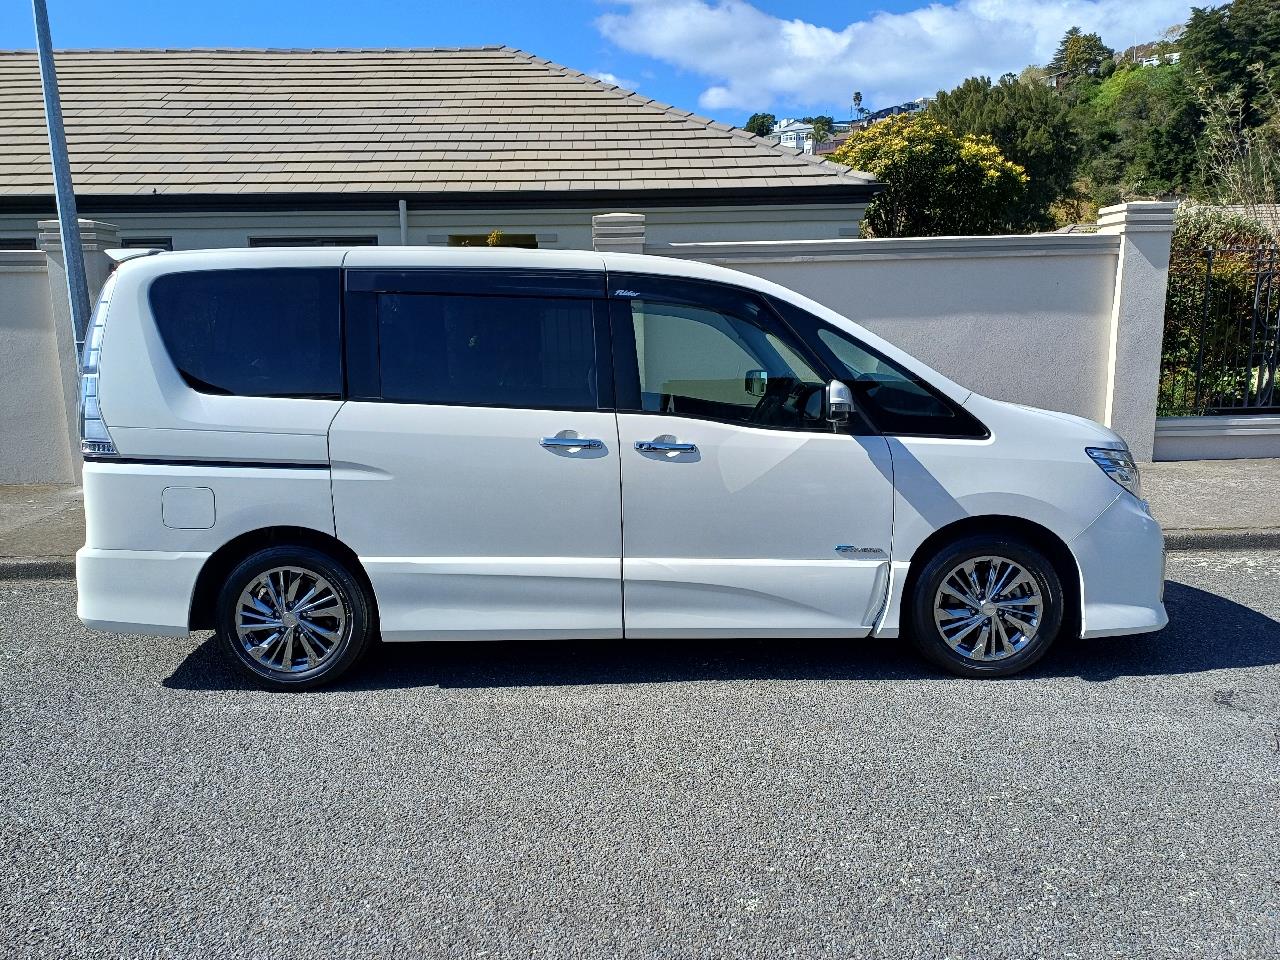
(823, 127)
(1033, 74)
(1200, 363)
(1141, 126)
(859, 111)
(1080, 53)
(1221, 46)
(761, 124)
(1197, 227)
(1242, 163)
(1059, 61)
(1032, 127)
(936, 183)
(1207, 44)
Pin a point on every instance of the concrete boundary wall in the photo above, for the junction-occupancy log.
(1071, 322)
(34, 445)
(1246, 437)
(904, 248)
(39, 362)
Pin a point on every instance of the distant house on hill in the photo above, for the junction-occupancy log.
(795, 134)
(911, 106)
(1154, 54)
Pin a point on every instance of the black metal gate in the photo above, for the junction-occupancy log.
(1221, 333)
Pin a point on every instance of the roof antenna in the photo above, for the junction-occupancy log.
(68, 220)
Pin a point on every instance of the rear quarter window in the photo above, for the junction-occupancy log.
(253, 333)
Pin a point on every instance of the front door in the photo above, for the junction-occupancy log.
(475, 471)
(746, 514)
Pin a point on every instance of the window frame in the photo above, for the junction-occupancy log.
(528, 241)
(687, 291)
(361, 334)
(146, 243)
(980, 431)
(271, 241)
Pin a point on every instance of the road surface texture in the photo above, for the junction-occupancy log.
(753, 799)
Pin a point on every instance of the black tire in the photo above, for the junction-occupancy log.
(927, 635)
(354, 632)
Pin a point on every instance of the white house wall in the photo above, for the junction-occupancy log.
(556, 229)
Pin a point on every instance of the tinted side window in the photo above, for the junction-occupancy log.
(529, 352)
(722, 364)
(253, 333)
(896, 400)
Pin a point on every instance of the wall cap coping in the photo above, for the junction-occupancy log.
(618, 219)
(22, 259)
(1143, 216)
(792, 251)
(94, 234)
(1140, 206)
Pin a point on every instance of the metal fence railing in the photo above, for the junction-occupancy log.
(1221, 333)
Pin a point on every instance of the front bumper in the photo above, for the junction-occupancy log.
(136, 591)
(1121, 559)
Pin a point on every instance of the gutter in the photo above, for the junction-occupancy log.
(851, 193)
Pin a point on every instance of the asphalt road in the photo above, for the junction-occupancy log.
(752, 799)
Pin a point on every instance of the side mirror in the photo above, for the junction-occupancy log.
(756, 382)
(837, 402)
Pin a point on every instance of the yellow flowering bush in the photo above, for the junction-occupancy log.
(936, 183)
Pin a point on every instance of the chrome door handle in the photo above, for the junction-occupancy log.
(664, 446)
(585, 443)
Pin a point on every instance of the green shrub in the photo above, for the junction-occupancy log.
(1209, 331)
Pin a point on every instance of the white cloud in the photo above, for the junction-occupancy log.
(753, 60)
(613, 78)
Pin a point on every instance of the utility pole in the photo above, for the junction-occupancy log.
(68, 219)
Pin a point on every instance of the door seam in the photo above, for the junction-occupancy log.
(622, 530)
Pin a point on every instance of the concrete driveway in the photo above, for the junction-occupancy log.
(748, 799)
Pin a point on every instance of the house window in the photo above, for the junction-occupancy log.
(147, 243)
(313, 241)
(497, 238)
(17, 243)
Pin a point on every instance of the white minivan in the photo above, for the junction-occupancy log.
(308, 450)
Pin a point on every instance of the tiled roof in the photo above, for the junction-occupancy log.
(482, 120)
(1267, 214)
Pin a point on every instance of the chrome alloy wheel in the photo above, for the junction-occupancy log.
(291, 620)
(988, 608)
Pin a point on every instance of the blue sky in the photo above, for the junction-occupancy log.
(722, 58)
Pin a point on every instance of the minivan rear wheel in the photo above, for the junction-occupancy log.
(293, 618)
(986, 606)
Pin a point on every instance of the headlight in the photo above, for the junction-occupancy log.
(1119, 466)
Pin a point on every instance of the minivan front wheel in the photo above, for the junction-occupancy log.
(293, 618)
(986, 606)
